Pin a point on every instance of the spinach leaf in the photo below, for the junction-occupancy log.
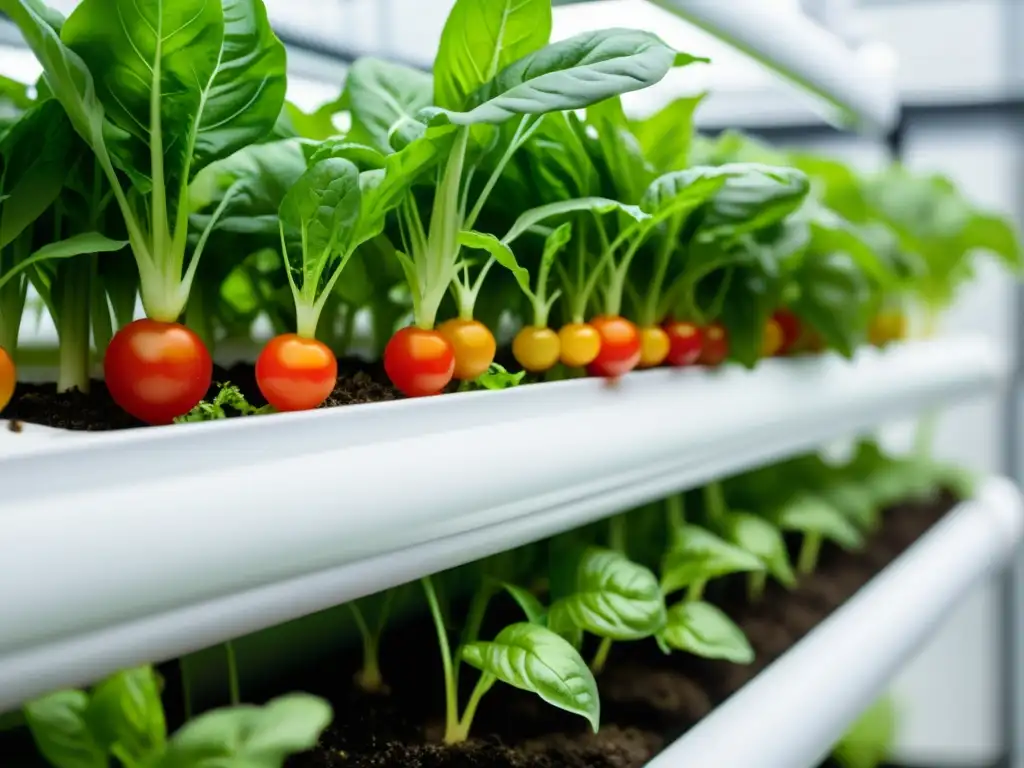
(535, 659)
(482, 37)
(834, 298)
(665, 137)
(381, 96)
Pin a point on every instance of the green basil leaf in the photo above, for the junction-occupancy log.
(665, 137)
(481, 38)
(536, 659)
(869, 741)
(615, 597)
(705, 631)
(382, 95)
(569, 74)
(699, 555)
(127, 716)
(855, 503)
(254, 737)
(532, 607)
(683, 191)
(763, 540)
(322, 209)
(834, 298)
(499, 250)
(997, 235)
(808, 513)
(560, 621)
(59, 728)
(754, 196)
(596, 205)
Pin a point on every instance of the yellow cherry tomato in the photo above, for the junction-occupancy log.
(887, 327)
(473, 344)
(536, 349)
(772, 339)
(8, 378)
(580, 344)
(654, 346)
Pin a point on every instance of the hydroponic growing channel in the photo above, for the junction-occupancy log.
(461, 287)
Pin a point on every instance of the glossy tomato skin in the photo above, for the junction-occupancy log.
(419, 362)
(8, 378)
(772, 339)
(473, 344)
(295, 373)
(685, 343)
(654, 346)
(580, 344)
(716, 345)
(791, 327)
(157, 371)
(620, 347)
(536, 348)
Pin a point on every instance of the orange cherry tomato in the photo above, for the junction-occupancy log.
(419, 362)
(580, 343)
(473, 344)
(157, 371)
(536, 348)
(620, 347)
(8, 378)
(295, 373)
(716, 345)
(887, 327)
(654, 346)
(772, 339)
(791, 329)
(685, 343)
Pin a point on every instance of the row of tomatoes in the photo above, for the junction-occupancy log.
(157, 371)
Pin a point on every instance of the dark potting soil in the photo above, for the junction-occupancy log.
(358, 382)
(648, 699)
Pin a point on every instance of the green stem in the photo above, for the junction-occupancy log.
(369, 677)
(74, 283)
(617, 533)
(650, 313)
(236, 698)
(461, 733)
(695, 592)
(807, 561)
(601, 657)
(675, 514)
(450, 692)
(756, 583)
(475, 618)
(523, 132)
(714, 503)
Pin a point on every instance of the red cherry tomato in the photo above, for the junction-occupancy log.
(8, 378)
(716, 345)
(685, 343)
(157, 371)
(620, 347)
(473, 344)
(295, 373)
(654, 346)
(791, 329)
(419, 362)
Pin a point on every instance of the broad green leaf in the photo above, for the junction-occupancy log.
(621, 152)
(699, 555)
(560, 166)
(324, 207)
(532, 607)
(62, 736)
(762, 539)
(754, 196)
(870, 740)
(595, 205)
(683, 191)
(665, 136)
(997, 235)
(809, 513)
(481, 38)
(253, 737)
(854, 501)
(560, 621)
(569, 74)
(127, 716)
(615, 597)
(318, 124)
(38, 152)
(749, 299)
(382, 95)
(499, 250)
(704, 630)
(76, 245)
(363, 156)
(834, 299)
(536, 659)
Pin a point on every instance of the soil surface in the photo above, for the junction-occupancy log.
(648, 699)
(358, 382)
